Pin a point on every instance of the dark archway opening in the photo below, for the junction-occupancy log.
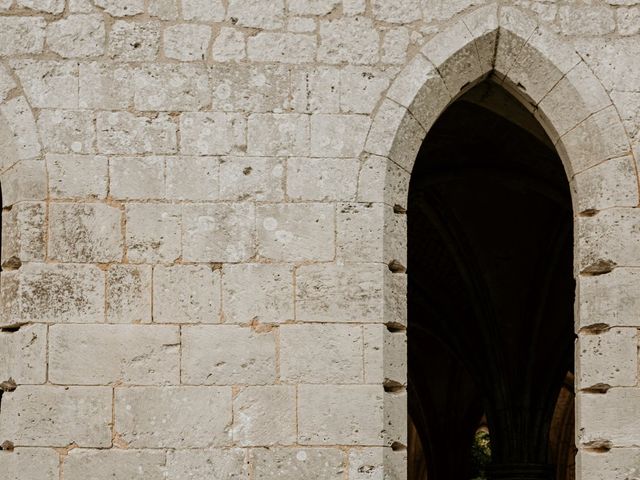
(491, 294)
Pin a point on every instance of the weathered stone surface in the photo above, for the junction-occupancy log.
(361, 88)
(312, 7)
(628, 20)
(108, 354)
(121, 8)
(128, 294)
(7, 83)
(87, 232)
(213, 464)
(367, 464)
(77, 176)
(21, 131)
(212, 133)
(322, 179)
(229, 45)
(205, 423)
(296, 232)
(586, 20)
(615, 463)
(153, 232)
(252, 178)
(608, 358)
(222, 232)
(338, 135)
(108, 464)
(67, 131)
(397, 11)
(48, 84)
(186, 294)
(608, 57)
(281, 47)
(21, 35)
(316, 89)
(23, 233)
(171, 88)
(128, 134)
(265, 416)
(77, 36)
(351, 40)
(40, 463)
(136, 178)
(47, 6)
(203, 10)
(163, 9)
(106, 86)
(612, 183)
(360, 232)
(321, 354)
(437, 10)
(340, 415)
(298, 463)
(24, 355)
(227, 355)
(134, 41)
(53, 293)
(192, 178)
(335, 293)
(610, 417)
(25, 181)
(283, 134)
(263, 14)
(270, 300)
(394, 45)
(385, 354)
(57, 416)
(187, 42)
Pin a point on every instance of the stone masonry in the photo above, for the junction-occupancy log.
(201, 200)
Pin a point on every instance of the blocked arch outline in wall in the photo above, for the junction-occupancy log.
(537, 67)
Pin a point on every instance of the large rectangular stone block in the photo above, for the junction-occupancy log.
(299, 463)
(24, 355)
(57, 416)
(192, 178)
(609, 419)
(173, 417)
(321, 354)
(612, 299)
(278, 134)
(128, 294)
(227, 355)
(107, 354)
(322, 179)
(23, 232)
(172, 87)
(153, 232)
(215, 133)
(338, 135)
(23, 463)
(47, 83)
(608, 358)
(385, 355)
(128, 134)
(136, 178)
(214, 464)
(67, 131)
(340, 415)
(616, 463)
(111, 464)
(252, 178)
(106, 86)
(281, 47)
(77, 176)
(21, 35)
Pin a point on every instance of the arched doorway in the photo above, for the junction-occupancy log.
(490, 296)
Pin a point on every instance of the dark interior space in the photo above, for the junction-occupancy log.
(491, 295)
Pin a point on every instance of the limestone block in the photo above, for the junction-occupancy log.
(173, 87)
(88, 232)
(611, 418)
(190, 417)
(285, 134)
(251, 178)
(394, 45)
(360, 232)
(395, 418)
(136, 178)
(250, 88)
(397, 11)
(21, 128)
(385, 355)
(395, 299)
(57, 416)
(77, 36)
(203, 10)
(483, 23)
(108, 354)
(610, 184)
(192, 178)
(106, 86)
(214, 464)
(615, 463)
(282, 47)
(128, 134)
(187, 42)
(367, 464)
(340, 415)
(163, 9)
(608, 358)
(338, 135)
(340, 293)
(353, 7)
(312, 7)
(25, 181)
(23, 232)
(612, 299)
(316, 90)
(628, 20)
(212, 133)
(435, 10)
(80, 6)
(608, 57)
(186, 294)
(298, 463)
(353, 40)
(296, 232)
(47, 6)
(270, 298)
(265, 416)
(109, 464)
(322, 179)
(77, 176)
(153, 232)
(24, 355)
(227, 355)
(67, 131)
(262, 14)
(219, 233)
(321, 354)
(361, 88)
(21, 35)
(301, 24)
(229, 45)
(40, 463)
(134, 41)
(121, 8)
(129, 294)
(48, 83)
(7, 83)
(586, 20)
(53, 293)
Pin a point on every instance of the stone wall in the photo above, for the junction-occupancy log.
(202, 199)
